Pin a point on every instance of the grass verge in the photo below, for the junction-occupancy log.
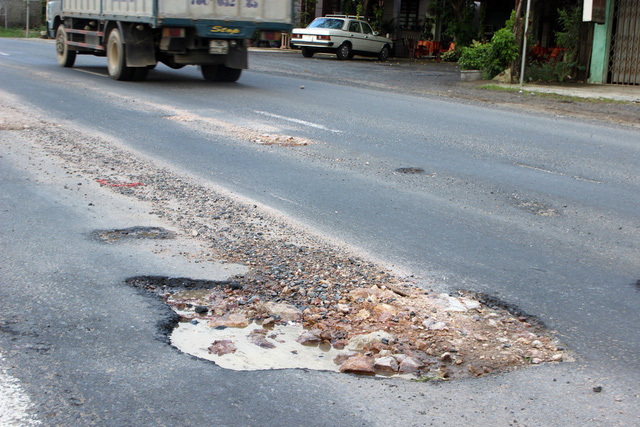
(19, 32)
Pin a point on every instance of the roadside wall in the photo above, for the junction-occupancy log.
(16, 13)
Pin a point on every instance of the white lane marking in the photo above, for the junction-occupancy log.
(90, 72)
(301, 122)
(4, 54)
(576, 177)
(14, 402)
(284, 199)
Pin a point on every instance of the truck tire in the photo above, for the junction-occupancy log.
(66, 57)
(116, 62)
(227, 74)
(209, 72)
(139, 74)
(220, 73)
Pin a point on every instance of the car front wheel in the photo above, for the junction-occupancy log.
(384, 54)
(307, 53)
(344, 52)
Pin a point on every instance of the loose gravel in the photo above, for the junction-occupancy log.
(341, 297)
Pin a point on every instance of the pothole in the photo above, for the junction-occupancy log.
(184, 287)
(410, 170)
(281, 140)
(398, 330)
(110, 236)
(536, 207)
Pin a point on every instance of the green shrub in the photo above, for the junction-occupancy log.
(503, 50)
(474, 57)
(554, 71)
(451, 55)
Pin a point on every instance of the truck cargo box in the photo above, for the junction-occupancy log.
(157, 11)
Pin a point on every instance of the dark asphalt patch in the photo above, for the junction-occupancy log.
(157, 233)
(410, 170)
(163, 284)
(157, 287)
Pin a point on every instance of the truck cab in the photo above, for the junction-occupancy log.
(53, 12)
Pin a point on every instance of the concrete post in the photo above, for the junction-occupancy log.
(601, 48)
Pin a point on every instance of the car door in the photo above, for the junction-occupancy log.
(370, 42)
(355, 36)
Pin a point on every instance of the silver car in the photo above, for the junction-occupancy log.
(343, 35)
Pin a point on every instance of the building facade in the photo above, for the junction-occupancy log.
(615, 57)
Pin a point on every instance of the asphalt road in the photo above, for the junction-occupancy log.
(538, 210)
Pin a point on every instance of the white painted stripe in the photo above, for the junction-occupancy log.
(4, 54)
(301, 122)
(14, 402)
(576, 177)
(90, 72)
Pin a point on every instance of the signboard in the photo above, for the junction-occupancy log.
(594, 11)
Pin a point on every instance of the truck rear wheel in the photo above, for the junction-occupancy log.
(220, 73)
(227, 74)
(116, 62)
(66, 57)
(139, 74)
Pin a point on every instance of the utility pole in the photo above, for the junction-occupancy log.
(524, 43)
(26, 34)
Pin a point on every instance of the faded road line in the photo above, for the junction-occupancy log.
(301, 122)
(576, 177)
(90, 72)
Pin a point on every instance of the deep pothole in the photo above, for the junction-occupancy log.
(138, 232)
(398, 331)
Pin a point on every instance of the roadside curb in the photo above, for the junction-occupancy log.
(586, 91)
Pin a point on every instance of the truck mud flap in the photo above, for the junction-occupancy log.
(238, 57)
(139, 47)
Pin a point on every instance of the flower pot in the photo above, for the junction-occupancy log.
(470, 75)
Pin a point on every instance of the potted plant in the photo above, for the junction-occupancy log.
(473, 60)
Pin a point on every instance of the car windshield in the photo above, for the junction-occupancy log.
(331, 23)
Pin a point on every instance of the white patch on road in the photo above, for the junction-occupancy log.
(298, 121)
(286, 354)
(14, 402)
(4, 54)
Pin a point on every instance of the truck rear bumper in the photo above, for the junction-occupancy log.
(218, 29)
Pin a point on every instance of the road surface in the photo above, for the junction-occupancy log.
(538, 210)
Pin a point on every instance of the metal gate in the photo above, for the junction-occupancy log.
(624, 67)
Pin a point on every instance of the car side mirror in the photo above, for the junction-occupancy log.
(375, 33)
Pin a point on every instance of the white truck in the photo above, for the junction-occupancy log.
(135, 35)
